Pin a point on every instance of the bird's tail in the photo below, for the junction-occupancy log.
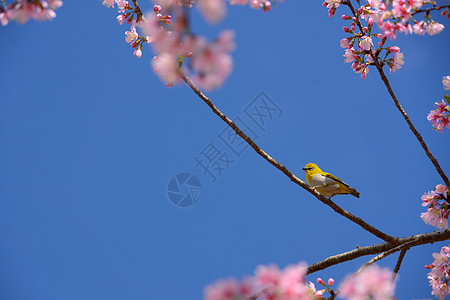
(354, 192)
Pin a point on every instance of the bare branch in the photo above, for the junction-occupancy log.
(404, 246)
(289, 174)
(399, 263)
(428, 10)
(411, 241)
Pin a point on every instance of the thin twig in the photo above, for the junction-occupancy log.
(427, 10)
(415, 240)
(137, 9)
(406, 245)
(399, 263)
(398, 105)
(289, 174)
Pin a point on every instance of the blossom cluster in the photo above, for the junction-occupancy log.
(439, 276)
(23, 10)
(360, 50)
(373, 282)
(440, 117)
(209, 62)
(438, 207)
(271, 283)
(400, 17)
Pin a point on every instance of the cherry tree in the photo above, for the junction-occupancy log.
(368, 39)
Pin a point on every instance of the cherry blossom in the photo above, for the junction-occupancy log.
(213, 10)
(400, 17)
(446, 82)
(438, 207)
(440, 117)
(371, 283)
(23, 10)
(439, 276)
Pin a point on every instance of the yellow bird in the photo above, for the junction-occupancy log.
(325, 183)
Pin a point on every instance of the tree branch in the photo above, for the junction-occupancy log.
(289, 174)
(398, 105)
(399, 263)
(411, 241)
(404, 246)
(427, 10)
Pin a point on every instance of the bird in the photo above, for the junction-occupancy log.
(325, 183)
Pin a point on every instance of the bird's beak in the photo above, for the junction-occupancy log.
(304, 169)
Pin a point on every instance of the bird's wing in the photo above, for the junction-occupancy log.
(328, 175)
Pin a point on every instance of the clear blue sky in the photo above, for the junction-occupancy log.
(90, 139)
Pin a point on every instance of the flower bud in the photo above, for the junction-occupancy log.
(330, 282)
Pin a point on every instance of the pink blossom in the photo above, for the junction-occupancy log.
(365, 43)
(212, 10)
(439, 275)
(443, 122)
(345, 42)
(420, 28)
(440, 116)
(435, 217)
(332, 3)
(166, 66)
(401, 9)
(238, 2)
(398, 61)
(121, 5)
(22, 11)
(131, 36)
(108, 3)
(138, 52)
(434, 116)
(330, 282)
(212, 62)
(4, 19)
(157, 9)
(372, 283)
(121, 19)
(54, 4)
(446, 82)
(269, 276)
(429, 198)
(435, 28)
(257, 4)
(229, 289)
(44, 14)
(442, 106)
(286, 285)
(312, 290)
(441, 189)
(350, 55)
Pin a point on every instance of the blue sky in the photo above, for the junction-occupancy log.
(90, 139)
